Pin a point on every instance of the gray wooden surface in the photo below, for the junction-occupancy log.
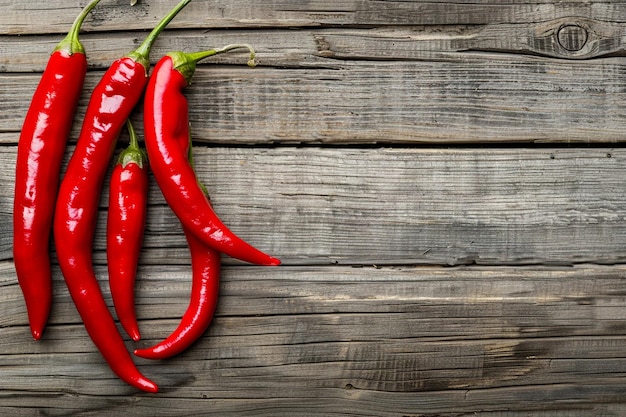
(444, 182)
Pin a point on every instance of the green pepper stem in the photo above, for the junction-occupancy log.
(133, 153)
(197, 56)
(185, 63)
(71, 44)
(142, 53)
(134, 143)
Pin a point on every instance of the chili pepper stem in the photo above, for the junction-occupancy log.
(197, 56)
(134, 142)
(133, 153)
(141, 54)
(70, 43)
(185, 63)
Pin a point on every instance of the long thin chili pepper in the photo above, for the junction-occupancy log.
(126, 220)
(110, 105)
(205, 264)
(39, 154)
(166, 126)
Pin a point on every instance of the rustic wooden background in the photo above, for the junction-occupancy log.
(443, 180)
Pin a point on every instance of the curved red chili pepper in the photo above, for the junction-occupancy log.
(126, 220)
(39, 154)
(166, 126)
(205, 264)
(111, 103)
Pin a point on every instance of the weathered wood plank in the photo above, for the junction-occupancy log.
(393, 206)
(475, 101)
(326, 340)
(57, 15)
(439, 305)
(470, 101)
(326, 48)
(568, 37)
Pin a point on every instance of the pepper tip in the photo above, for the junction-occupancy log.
(146, 385)
(144, 353)
(274, 262)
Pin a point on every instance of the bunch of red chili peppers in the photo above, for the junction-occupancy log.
(68, 207)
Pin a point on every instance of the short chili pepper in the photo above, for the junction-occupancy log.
(166, 126)
(126, 220)
(205, 265)
(39, 154)
(110, 105)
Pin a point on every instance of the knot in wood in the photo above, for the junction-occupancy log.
(572, 37)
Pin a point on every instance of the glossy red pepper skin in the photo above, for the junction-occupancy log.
(166, 126)
(40, 152)
(126, 220)
(205, 265)
(110, 105)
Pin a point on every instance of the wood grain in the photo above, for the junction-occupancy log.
(401, 205)
(477, 101)
(325, 340)
(57, 15)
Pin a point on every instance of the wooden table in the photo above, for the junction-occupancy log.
(444, 182)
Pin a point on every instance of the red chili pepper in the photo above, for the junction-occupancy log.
(110, 104)
(39, 154)
(126, 220)
(205, 264)
(166, 127)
